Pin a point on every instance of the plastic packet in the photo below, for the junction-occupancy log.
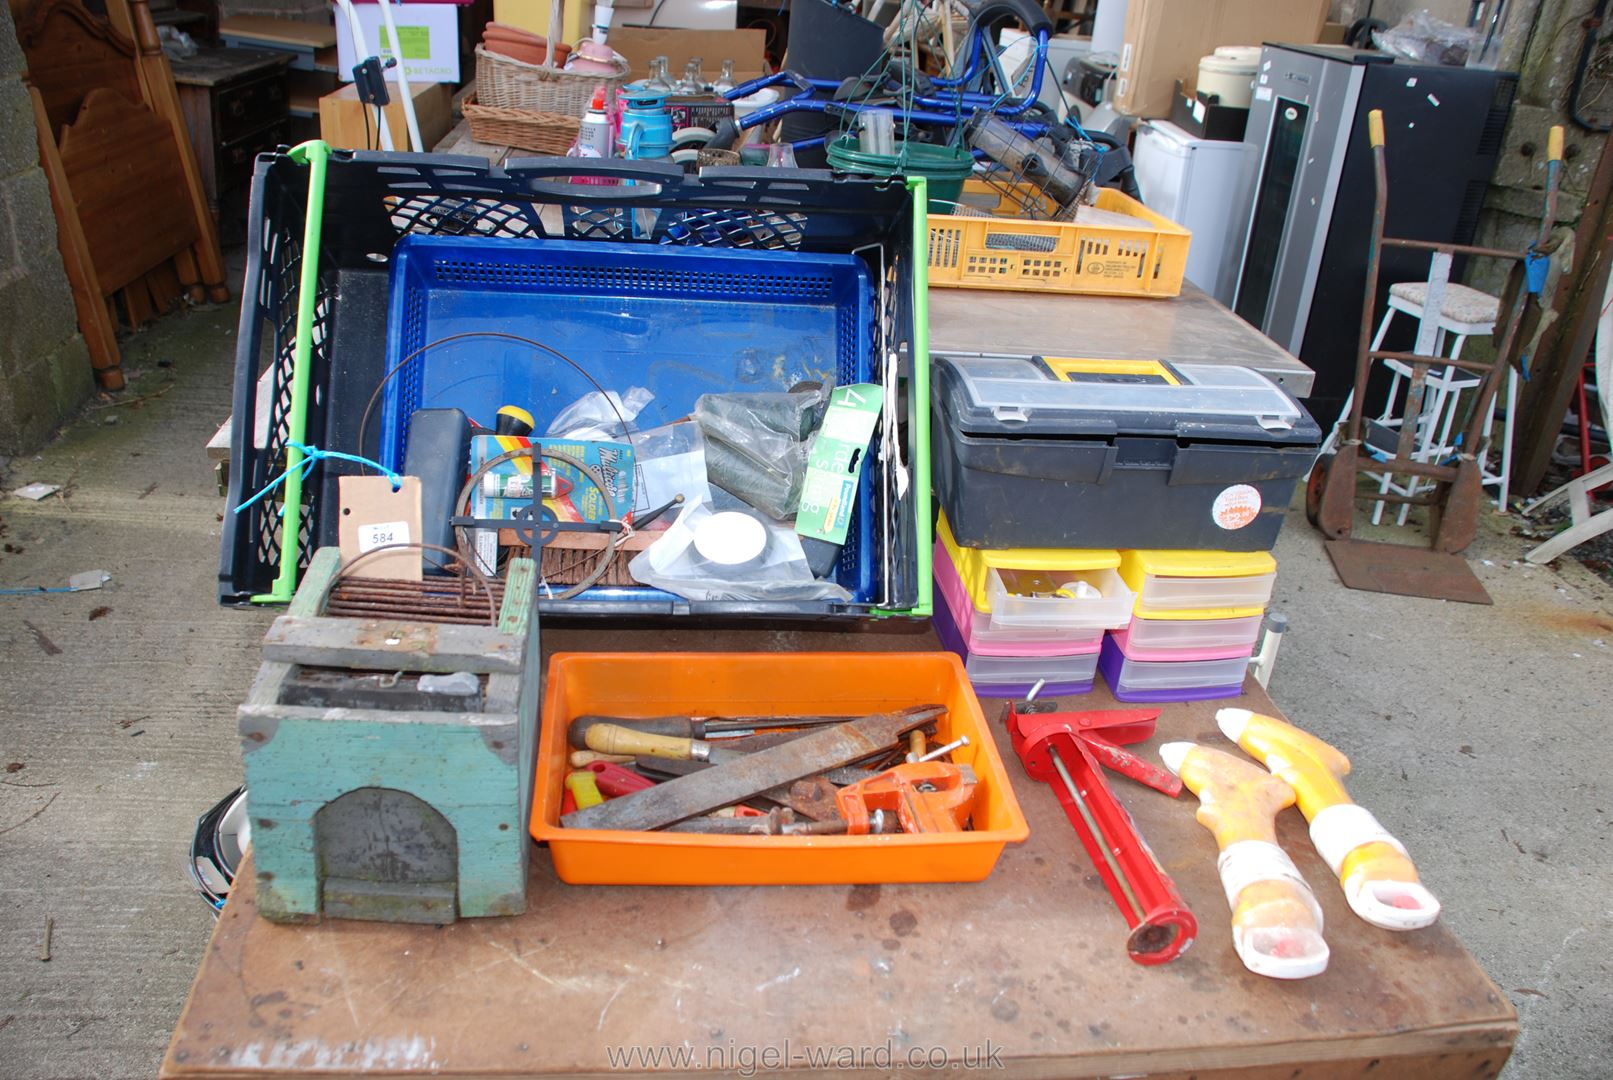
(709, 554)
(593, 417)
(1420, 36)
(757, 444)
(671, 461)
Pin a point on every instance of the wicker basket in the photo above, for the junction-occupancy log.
(503, 83)
(526, 129)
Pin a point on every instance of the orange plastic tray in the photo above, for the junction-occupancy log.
(776, 684)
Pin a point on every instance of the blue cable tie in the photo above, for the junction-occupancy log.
(312, 455)
(1535, 268)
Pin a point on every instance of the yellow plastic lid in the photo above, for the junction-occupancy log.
(1032, 558)
(1136, 565)
(1142, 611)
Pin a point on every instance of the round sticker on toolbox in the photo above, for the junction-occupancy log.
(1236, 506)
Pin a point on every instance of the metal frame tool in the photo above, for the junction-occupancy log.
(1068, 751)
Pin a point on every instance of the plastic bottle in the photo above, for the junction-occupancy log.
(594, 137)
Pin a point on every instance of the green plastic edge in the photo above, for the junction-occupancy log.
(918, 404)
(316, 153)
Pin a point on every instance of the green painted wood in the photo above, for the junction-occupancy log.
(316, 583)
(520, 581)
(391, 645)
(311, 762)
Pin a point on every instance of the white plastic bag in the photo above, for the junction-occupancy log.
(730, 555)
(593, 417)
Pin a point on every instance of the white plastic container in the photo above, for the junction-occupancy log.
(1211, 584)
(1057, 599)
(1193, 634)
(1181, 674)
(994, 670)
(1229, 73)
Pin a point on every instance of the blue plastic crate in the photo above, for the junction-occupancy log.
(681, 322)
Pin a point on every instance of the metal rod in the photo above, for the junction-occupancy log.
(1479, 366)
(1097, 832)
(1452, 249)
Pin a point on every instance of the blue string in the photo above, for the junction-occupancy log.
(313, 455)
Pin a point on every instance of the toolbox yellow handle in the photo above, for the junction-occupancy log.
(616, 739)
(1554, 143)
(1375, 127)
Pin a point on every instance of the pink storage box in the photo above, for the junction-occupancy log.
(1188, 639)
(981, 640)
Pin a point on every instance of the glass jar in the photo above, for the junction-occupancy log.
(693, 81)
(725, 81)
(660, 80)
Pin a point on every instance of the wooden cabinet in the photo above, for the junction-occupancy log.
(237, 104)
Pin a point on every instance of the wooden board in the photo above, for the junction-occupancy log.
(1190, 328)
(71, 52)
(1030, 963)
(122, 167)
(267, 28)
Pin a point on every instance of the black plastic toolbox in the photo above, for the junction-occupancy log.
(1048, 452)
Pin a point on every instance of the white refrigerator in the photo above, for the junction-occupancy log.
(1202, 185)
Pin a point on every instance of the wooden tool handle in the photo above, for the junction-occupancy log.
(1554, 143)
(1375, 127)
(615, 739)
(680, 727)
(581, 759)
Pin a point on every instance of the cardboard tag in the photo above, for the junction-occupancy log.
(836, 461)
(373, 516)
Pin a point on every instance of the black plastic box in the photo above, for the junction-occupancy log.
(1033, 452)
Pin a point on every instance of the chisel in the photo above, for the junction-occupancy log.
(750, 774)
(685, 727)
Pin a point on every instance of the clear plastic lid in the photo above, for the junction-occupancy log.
(1027, 390)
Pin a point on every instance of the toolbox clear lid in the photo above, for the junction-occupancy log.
(1079, 395)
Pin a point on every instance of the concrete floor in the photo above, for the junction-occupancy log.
(1478, 735)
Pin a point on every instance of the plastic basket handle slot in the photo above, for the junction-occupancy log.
(1011, 241)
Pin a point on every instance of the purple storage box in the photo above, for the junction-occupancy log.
(1111, 660)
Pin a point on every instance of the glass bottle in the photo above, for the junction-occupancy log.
(693, 81)
(725, 81)
(660, 81)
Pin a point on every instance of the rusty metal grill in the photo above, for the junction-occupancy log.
(454, 599)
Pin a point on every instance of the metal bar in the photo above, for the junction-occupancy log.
(1479, 366)
(1427, 469)
(1104, 845)
(1452, 249)
(1363, 368)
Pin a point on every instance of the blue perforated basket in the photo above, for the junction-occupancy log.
(680, 322)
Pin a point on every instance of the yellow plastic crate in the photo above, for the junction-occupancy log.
(1005, 252)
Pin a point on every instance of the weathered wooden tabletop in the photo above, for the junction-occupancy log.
(1030, 964)
(1190, 328)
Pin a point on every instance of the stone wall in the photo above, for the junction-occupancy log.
(44, 366)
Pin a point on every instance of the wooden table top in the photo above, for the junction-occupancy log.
(1030, 963)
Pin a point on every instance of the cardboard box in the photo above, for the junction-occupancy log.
(342, 120)
(430, 34)
(641, 44)
(1165, 40)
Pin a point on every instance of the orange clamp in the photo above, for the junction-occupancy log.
(926, 796)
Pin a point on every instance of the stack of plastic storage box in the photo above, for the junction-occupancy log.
(1022, 616)
(1194, 626)
(1121, 511)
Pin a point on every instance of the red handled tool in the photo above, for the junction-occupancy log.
(1068, 751)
